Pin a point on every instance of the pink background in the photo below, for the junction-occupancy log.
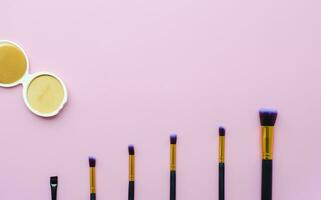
(139, 70)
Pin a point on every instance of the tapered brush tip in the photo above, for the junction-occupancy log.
(92, 162)
(131, 150)
(268, 117)
(221, 131)
(173, 139)
(54, 180)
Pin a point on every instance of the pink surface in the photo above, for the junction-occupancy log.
(139, 70)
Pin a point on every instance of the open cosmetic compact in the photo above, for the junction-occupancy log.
(44, 93)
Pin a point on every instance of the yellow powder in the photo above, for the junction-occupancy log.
(45, 94)
(13, 63)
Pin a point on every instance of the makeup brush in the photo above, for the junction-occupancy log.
(54, 186)
(173, 140)
(267, 119)
(131, 185)
(221, 165)
(92, 171)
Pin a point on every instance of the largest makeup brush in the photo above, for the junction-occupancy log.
(267, 119)
(173, 140)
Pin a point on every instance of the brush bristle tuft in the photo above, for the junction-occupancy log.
(54, 180)
(268, 117)
(221, 131)
(92, 162)
(131, 150)
(173, 139)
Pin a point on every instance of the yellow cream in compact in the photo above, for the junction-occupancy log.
(44, 93)
(13, 64)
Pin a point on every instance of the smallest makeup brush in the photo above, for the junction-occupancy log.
(54, 187)
(173, 140)
(131, 168)
(92, 171)
(221, 164)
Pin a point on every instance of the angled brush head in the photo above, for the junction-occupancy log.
(92, 162)
(268, 117)
(173, 139)
(131, 150)
(221, 131)
(53, 181)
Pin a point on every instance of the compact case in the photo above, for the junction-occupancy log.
(44, 93)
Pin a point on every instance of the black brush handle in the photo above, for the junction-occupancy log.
(221, 181)
(131, 190)
(266, 190)
(173, 186)
(92, 196)
(53, 193)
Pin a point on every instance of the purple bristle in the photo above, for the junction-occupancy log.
(173, 139)
(92, 162)
(131, 150)
(221, 131)
(268, 117)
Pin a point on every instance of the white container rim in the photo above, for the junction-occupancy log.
(26, 84)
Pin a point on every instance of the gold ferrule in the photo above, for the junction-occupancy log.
(267, 142)
(221, 149)
(173, 157)
(92, 180)
(131, 168)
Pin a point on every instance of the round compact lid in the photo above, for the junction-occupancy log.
(13, 64)
(45, 94)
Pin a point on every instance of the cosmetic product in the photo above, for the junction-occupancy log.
(173, 141)
(267, 119)
(131, 168)
(92, 173)
(221, 164)
(44, 93)
(54, 187)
